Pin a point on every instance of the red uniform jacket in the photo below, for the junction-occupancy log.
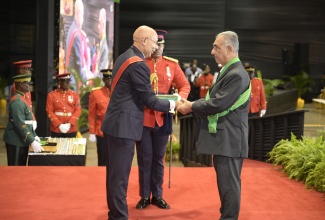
(63, 107)
(258, 100)
(205, 81)
(98, 102)
(169, 73)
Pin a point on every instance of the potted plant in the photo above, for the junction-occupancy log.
(84, 87)
(269, 85)
(303, 160)
(302, 83)
(176, 147)
(3, 84)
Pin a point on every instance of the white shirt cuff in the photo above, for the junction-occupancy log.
(172, 106)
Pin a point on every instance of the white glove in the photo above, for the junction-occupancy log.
(37, 139)
(68, 126)
(172, 106)
(64, 128)
(37, 147)
(178, 96)
(262, 113)
(92, 138)
(34, 125)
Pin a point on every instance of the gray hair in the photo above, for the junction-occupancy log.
(230, 38)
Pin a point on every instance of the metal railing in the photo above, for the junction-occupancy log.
(264, 133)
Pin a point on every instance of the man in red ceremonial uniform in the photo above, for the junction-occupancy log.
(205, 81)
(98, 102)
(23, 67)
(63, 108)
(257, 104)
(151, 149)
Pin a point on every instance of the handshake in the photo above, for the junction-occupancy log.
(184, 106)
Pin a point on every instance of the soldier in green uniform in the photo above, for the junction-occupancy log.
(20, 131)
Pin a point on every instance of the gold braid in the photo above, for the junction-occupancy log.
(154, 81)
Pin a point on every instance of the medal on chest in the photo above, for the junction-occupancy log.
(168, 73)
(70, 98)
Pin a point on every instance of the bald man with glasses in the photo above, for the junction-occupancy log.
(122, 126)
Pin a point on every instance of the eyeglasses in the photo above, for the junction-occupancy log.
(155, 42)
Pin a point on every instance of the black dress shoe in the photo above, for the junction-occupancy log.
(159, 202)
(143, 203)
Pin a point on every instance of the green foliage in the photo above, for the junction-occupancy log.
(302, 83)
(321, 133)
(176, 147)
(82, 87)
(83, 119)
(269, 85)
(316, 177)
(302, 160)
(3, 84)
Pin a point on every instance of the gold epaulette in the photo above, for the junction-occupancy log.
(96, 88)
(170, 59)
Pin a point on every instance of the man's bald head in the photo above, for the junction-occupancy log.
(79, 12)
(102, 22)
(144, 31)
(145, 39)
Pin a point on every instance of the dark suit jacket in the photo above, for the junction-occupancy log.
(231, 138)
(125, 112)
(76, 56)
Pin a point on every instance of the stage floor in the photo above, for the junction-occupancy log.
(77, 193)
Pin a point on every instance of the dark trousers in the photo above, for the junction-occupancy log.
(16, 156)
(101, 151)
(64, 135)
(228, 170)
(120, 152)
(151, 152)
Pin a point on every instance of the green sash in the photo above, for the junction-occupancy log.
(213, 119)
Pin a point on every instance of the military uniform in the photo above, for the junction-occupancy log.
(63, 107)
(98, 102)
(21, 66)
(28, 95)
(19, 132)
(151, 149)
(258, 100)
(204, 82)
(169, 73)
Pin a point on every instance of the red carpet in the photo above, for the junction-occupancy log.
(77, 193)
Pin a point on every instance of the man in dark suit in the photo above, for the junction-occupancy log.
(76, 56)
(102, 59)
(123, 123)
(224, 122)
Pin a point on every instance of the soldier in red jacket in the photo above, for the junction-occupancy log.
(165, 72)
(98, 102)
(257, 105)
(205, 81)
(63, 108)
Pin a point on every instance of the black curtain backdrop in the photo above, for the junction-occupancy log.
(264, 29)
